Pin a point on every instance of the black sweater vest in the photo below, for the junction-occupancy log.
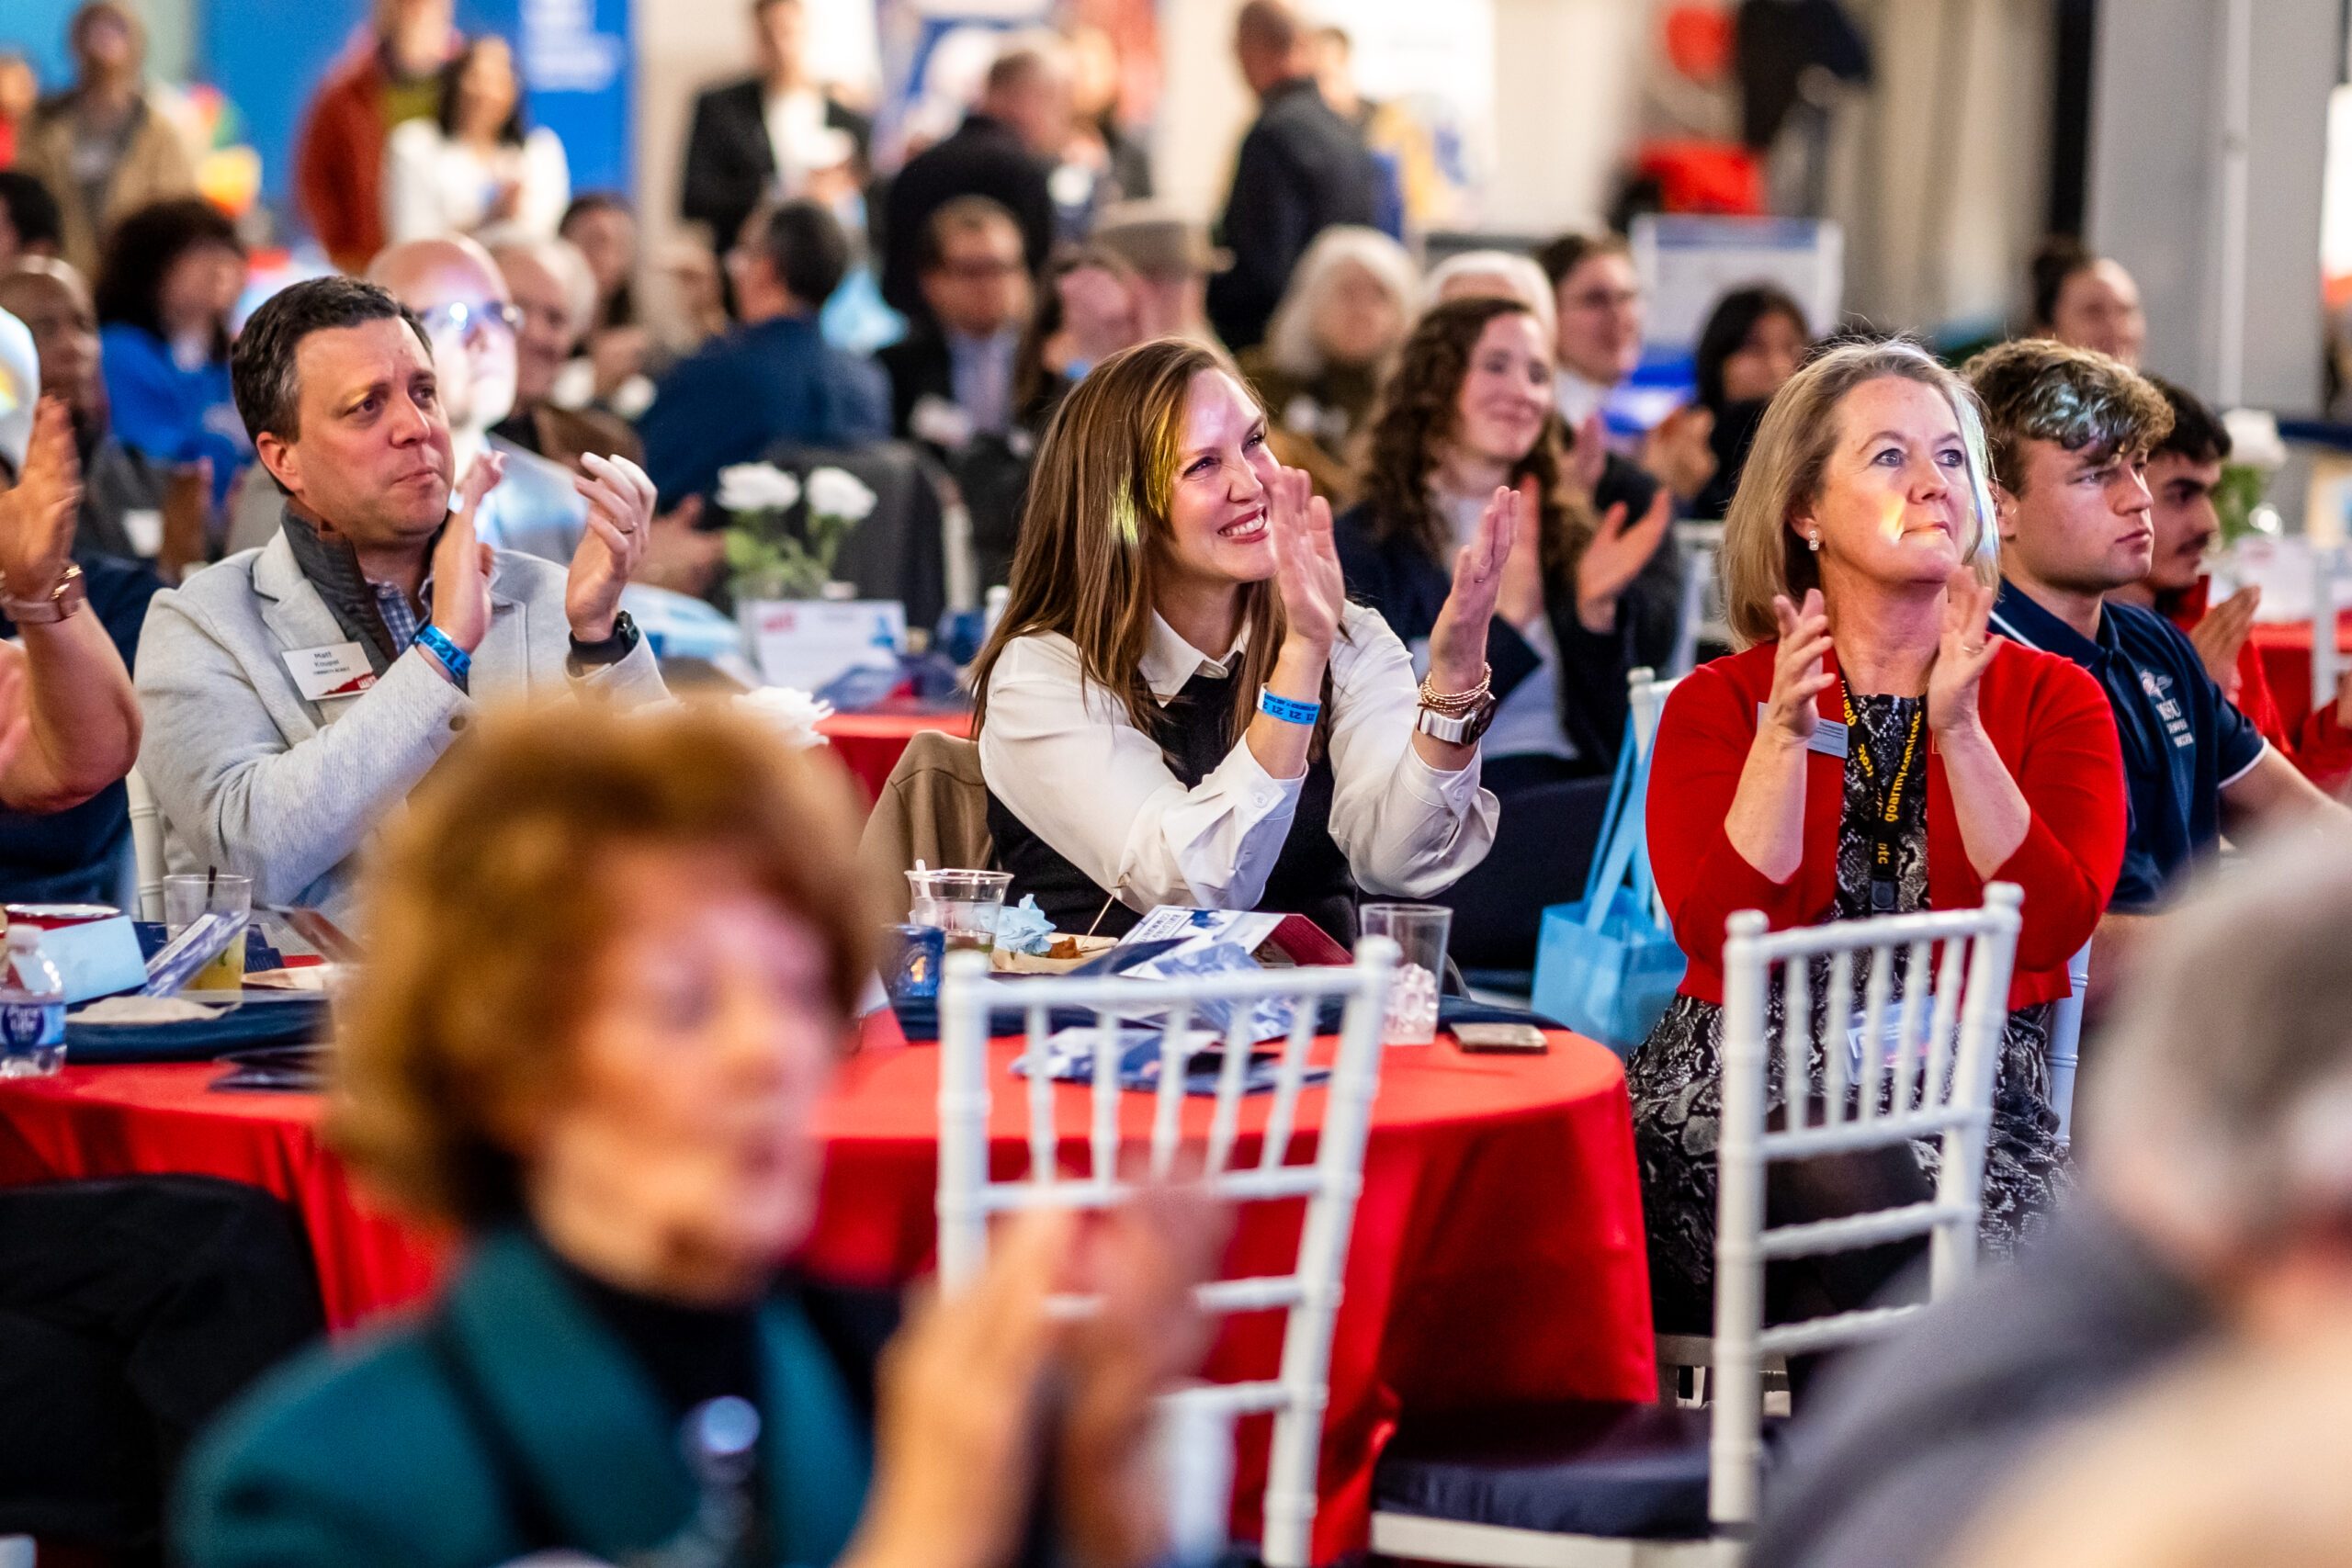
(1310, 878)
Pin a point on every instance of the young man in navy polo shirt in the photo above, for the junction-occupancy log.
(2070, 431)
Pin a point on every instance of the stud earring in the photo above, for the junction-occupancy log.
(1813, 543)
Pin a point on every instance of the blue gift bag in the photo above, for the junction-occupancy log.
(1605, 966)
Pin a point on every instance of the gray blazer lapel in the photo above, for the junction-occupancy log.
(297, 616)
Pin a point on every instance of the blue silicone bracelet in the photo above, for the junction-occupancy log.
(1286, 710)
(456, 660)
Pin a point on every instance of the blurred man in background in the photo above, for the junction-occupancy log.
(951, 377)
(1005, 151)
(760, 139)
(1301, 169)
(773, 378)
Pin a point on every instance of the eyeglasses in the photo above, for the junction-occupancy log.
(980, 271)
(469, 322)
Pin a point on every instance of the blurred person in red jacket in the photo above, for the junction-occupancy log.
(389, 75)
(2183, 472)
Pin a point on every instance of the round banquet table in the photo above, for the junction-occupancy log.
(869, 743)
(1496, 1253)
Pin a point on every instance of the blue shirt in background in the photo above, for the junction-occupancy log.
(170, 412)
(2183, 740)
(743, 393)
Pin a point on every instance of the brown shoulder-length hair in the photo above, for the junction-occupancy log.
(1095, 530)
(487, 911)
(1419, 408)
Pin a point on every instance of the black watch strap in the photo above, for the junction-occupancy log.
(587, 655)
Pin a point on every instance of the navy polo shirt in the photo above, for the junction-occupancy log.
(2183, 740)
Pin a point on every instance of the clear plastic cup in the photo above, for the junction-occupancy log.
(1420, 932)
(188, 898)
(961, 905)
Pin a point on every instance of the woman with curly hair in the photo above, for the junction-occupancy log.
(1468, 411)
(170, 280)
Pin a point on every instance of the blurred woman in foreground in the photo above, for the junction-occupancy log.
(612, 977)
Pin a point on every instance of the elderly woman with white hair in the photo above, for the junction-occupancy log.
(1476, 275)
(1328, 347)
(1858, 576)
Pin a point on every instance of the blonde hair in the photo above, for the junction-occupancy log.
(1762, 555)
(1291, 347)
(488, 906)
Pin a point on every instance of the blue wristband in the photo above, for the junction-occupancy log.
(455, 660)
(1286, 710)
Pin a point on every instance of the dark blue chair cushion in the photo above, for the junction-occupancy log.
(1592, 1467)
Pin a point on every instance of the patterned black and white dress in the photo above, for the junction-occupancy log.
(1675, 1076)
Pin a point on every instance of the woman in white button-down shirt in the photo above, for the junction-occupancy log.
(1180, 706)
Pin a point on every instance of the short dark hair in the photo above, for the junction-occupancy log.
(1733, 317)
(2196, 434)
(30, 210)
(588, 203)
(806, 245)
(453, 71)
(141, 252)
(1573, 249)
(2059, 259)
(262, 374)
(961, 213)
(2041, 390)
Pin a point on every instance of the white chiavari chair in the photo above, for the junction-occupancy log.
(968, 1194)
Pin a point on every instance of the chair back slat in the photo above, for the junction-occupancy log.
(1232, 1066)
(1044, 1141)
(1103, 1131)
(1874, 1059)
(1796, 1042)
(1906, 1027)
(1309, 1293)
(1274, 1145)
(1167, 1105)
(1935, 1081)
(1834, 1047)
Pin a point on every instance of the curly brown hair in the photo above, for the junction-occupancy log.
(488, 909)
(1415, 420)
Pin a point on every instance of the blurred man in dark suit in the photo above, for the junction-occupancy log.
(762, 136)
(951, 378)
(1005, 151)
(1302, 168)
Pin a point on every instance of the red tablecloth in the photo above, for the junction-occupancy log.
(869, 743)
(1498, 1250)
(2286, 649)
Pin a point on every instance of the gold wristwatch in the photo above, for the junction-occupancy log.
(59, 602)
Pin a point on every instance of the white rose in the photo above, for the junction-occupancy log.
(793, 712)
(836, 493)
(756, 486)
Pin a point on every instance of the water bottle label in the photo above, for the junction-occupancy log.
(24, 1026)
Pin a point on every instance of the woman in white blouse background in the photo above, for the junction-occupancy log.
(1180, 706)
(474, 166)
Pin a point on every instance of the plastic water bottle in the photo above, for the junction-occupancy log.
(32, 1009)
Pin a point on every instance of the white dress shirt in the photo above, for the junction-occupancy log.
(1064, 758)
(435, 186)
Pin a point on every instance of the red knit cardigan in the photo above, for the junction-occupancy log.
(2046, 717)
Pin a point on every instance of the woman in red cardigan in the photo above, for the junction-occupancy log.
(1858, 573)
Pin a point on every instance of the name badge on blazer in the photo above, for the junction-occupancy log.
(1828, 734)
(338, 670)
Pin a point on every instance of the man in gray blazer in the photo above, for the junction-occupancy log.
(296, 693)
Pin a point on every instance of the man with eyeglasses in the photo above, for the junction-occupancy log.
(951, 378)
